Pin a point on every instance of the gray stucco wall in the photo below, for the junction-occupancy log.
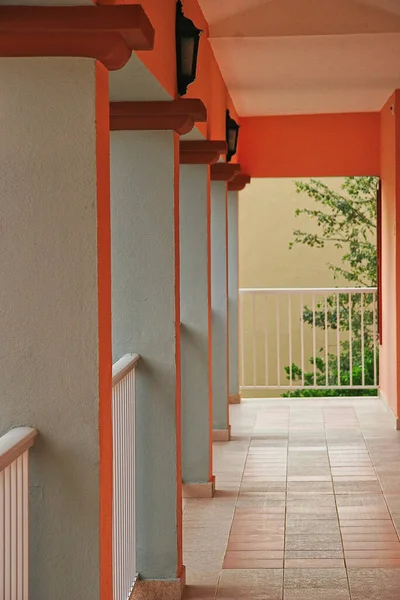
(143, 307)
(194, 318)
(219, 303)
(48, 310)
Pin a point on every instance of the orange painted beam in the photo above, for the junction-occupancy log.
(224, 171)
(310, 145)
(201, 152)
(177, 115)
(239, 182)
(108, 34)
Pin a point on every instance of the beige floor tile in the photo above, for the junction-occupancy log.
(275, 476)
(262, 584)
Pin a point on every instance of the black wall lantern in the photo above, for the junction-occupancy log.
(187, 47)
(232, 134)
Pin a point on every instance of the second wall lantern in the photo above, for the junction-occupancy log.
(232, 134)
(187, 46)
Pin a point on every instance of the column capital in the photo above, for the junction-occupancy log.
(177, 115)
(108, 34)
(201, 152)
(224, 171)
(239, 182)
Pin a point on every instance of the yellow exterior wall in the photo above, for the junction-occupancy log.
(266, 224)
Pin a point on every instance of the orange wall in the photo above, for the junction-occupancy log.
(310, 145)
(161, 61)
(209, 85)
(390, 125)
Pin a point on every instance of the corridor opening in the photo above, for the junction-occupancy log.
(308, 287)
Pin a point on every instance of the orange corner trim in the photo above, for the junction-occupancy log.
(176, 115)
(239, 182)
(224, 171)
(108, 34)
(201, 152)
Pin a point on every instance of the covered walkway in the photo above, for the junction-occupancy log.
(307, 505)
(119, 198)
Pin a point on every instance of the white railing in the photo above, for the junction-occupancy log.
(124, 530)
(314, 338)
(14, 513)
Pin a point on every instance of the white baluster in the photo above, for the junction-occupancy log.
(351, 338)
(124, 537)
(278, 343)
(266, 343)
(374, 333)
(338, 336)
(302, 337)
(290, 340)
(314, 336)
(362, 341)
(253, 321)
(326, 343)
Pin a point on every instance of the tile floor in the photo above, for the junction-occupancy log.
(307, 505)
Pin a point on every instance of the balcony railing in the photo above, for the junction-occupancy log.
(314, 338)
(124, 531)
(14, 513)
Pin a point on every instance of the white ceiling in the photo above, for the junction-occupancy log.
(332, 56)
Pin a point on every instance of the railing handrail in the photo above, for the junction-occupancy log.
(14, 443)
(123, 366)
(326, 290)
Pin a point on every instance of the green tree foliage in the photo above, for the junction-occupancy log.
(348, 221)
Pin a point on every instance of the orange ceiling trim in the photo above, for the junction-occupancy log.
(224, 171)
(201, 152)
(108, 34)
(239, 182)
(177, 115)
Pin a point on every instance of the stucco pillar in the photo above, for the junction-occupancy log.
(233, 297)
(146, 320)
(55, 319)
(219, 303)
(145, 309)
(195, 250)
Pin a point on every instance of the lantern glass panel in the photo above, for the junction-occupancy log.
(232, 135)
(187, 55)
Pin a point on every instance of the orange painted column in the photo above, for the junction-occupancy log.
(389, 355)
